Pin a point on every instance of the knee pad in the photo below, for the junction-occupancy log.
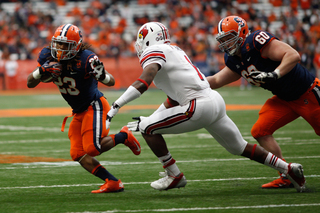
(76, 155)
(257, 132)
(91, 150)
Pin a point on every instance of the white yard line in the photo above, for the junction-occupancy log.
(142, 183)
(117, 163)
(209, 208)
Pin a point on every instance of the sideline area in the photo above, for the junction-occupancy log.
(56, 111)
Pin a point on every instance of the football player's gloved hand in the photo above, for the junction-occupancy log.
(133, 126)
(264, 77)
(113, 111)
(54, 69)
(98, 72)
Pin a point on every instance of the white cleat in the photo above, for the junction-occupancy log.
(169, 182)
(295, 175)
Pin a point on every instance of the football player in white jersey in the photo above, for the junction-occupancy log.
(190, 105)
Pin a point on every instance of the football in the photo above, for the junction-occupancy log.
(47, 78)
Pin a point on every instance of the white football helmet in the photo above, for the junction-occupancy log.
(149, 34)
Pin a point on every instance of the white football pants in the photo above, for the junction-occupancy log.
(208, 112)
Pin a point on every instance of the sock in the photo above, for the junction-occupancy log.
(119, 138)
(276, 163)
(101, 172)
(169, 164)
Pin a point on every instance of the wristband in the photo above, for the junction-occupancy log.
(106, 79)
(277, 71)
(36, 74)
(144, 82)
(129, 95)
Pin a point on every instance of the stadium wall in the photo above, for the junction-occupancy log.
(124, 70)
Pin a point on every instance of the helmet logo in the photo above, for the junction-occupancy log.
(80, 34)
(240, 21)
(159, 37)
(143, 33)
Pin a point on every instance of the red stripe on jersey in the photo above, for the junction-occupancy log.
(199, 74)
(153, 55)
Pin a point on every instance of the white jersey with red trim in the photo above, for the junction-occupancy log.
(200, 107)
(178, 77)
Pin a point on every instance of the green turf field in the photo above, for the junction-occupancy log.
(217, 180)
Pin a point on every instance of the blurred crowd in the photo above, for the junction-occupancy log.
(192, 25)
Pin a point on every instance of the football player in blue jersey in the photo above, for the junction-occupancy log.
(76, 71)
(266, 62)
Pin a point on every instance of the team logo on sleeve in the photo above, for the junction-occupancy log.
(143, 33)
(247, 47)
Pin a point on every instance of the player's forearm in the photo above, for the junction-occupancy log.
(129, 95)
(33, 79)
(108, 80)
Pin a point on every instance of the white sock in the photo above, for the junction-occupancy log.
(169, 165)
(276, 163)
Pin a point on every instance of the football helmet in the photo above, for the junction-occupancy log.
(232, 32)
(149, 34)
(66, 42)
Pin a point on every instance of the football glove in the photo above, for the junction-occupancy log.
(98, 70)
(133, 126)
(264, 77)
(112, 112)
(54, 70)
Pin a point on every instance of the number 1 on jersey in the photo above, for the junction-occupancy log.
(199, 74)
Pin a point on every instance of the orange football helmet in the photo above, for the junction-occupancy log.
(66, 42)
(232, 32)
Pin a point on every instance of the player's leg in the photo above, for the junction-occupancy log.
(173, 120)
(92, 130)
(308, 106)
(228, 135)
(97, 116)
(274, 114)
(78, 153)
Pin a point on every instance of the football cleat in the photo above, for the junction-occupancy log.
(131, 141)
(110, 186)
(169, 182)
(282, 182)
(295, 175)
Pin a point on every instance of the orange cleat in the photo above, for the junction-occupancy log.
(282, 182)
(110, 186)
(131, 141)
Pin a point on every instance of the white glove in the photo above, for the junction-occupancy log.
(133, 126)
(113, 111)
(98, 69)
(264, 77)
